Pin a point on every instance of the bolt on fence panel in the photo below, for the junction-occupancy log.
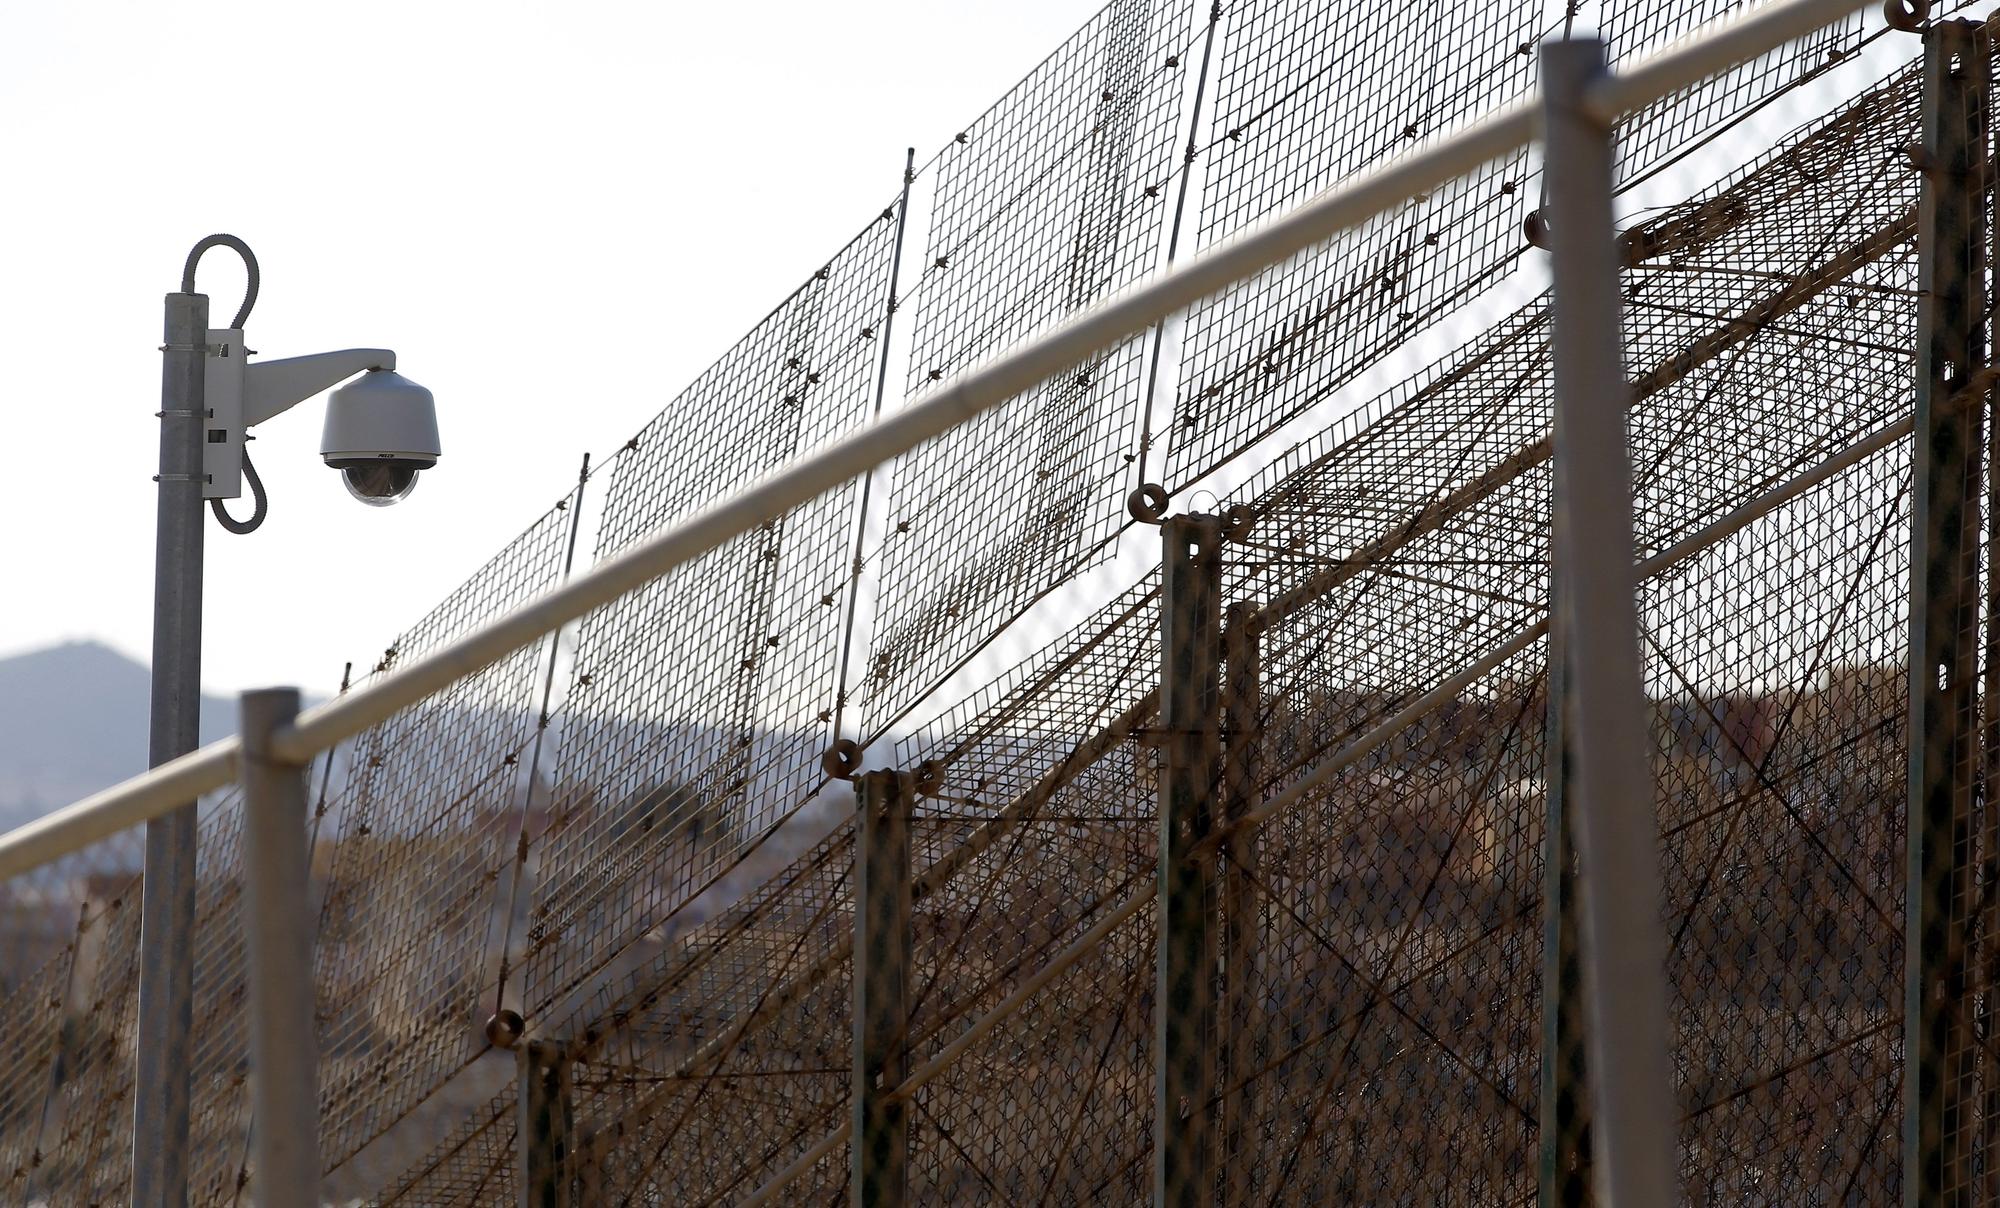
(1053, 199)
(699, 703)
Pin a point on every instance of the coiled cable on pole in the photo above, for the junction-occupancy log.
(259, 509)
(252, 278)
(249, 268)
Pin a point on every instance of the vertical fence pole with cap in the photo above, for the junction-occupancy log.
(1190, 748)
(167, 893)
(881, 1135)
(1243, 726)
(545, 1124)
(1605, 711)
(1938, 1042)
(278, 935)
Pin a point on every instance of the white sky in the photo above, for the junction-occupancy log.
(556, 214)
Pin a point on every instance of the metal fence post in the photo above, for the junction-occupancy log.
(167, 899)
(546, 1123)
(881, 1135)
(1605, 711)
(1564, 1122)
(1243, 723)
(1190, 747)
(278, 933)
(1939, 1045)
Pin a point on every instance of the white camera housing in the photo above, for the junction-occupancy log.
(381, 429)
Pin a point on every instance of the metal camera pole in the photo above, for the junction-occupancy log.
(167, 899)
(167, 896)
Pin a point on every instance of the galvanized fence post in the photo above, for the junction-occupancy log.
(1939, 1043)
(1564, 1121)
(278, 934)
(881, 1133)
(167, 893)
(1190, 747)
(1605, 711)
(546, 1125)
(1243, 724)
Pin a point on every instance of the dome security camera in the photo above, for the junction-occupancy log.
(381, 430)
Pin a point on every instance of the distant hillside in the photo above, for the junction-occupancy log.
(73, 719)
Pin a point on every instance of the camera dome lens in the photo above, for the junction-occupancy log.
(379, 483)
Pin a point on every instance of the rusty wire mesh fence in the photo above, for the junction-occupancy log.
(627, 838)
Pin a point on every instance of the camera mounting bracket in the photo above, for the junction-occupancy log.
(240, 395)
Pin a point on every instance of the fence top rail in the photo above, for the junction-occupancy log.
(1020, 368)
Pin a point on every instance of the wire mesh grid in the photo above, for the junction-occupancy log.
(725, 1058)
(1281, 128)
(77, 1139)
(1779, 770)
(1055, 198)
(1045, 1111)
(699, 704)
(415, 848)
(474, 1165)
(993, 747)
(1773, 660)
(1419, 934)
(57, 928)
(1650, 137)
(71, 920)
(1385, 988)
(71, 1107)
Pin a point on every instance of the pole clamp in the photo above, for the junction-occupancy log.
(180, 478)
